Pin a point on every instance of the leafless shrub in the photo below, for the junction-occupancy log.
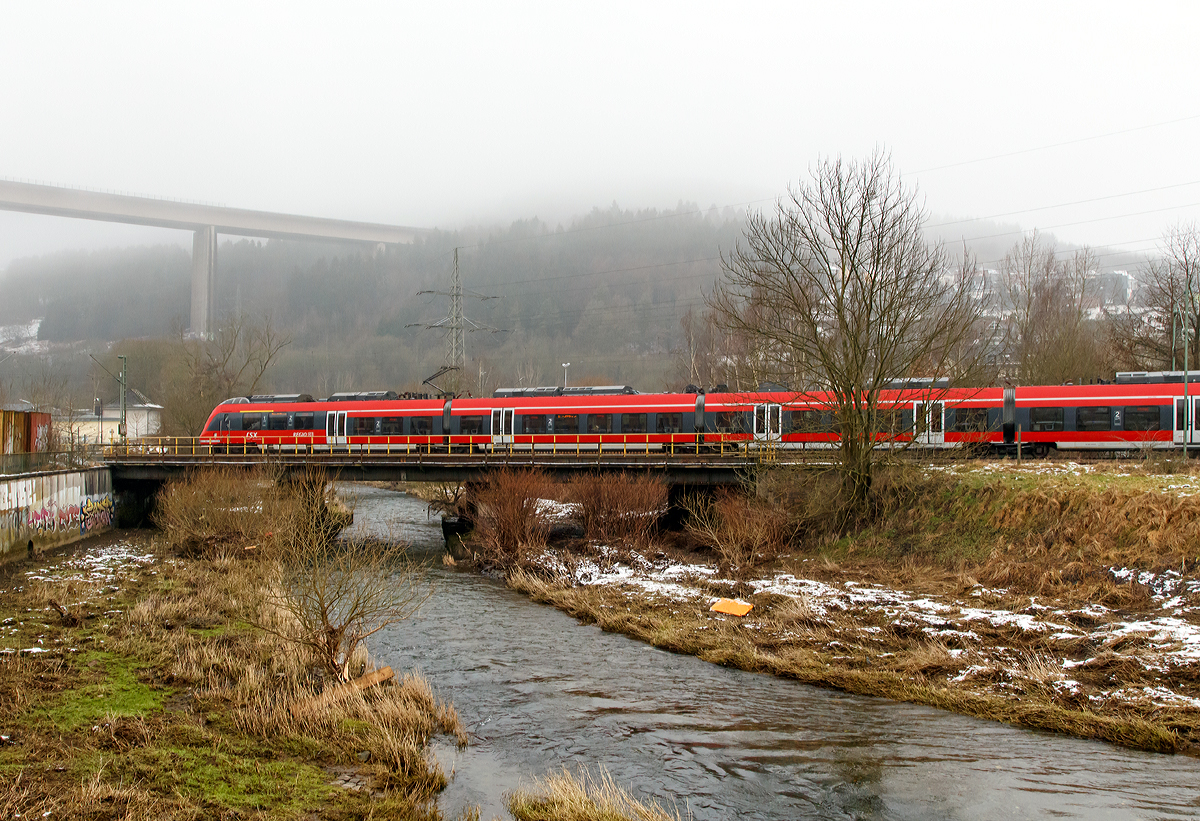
(624, 507)
(744, 532)
(333, 593)
(509, 526)
(449, 498)
(212, 510)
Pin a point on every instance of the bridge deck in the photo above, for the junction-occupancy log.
(168, 457)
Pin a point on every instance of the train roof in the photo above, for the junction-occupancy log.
(553, 390)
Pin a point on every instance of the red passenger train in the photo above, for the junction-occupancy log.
(1138, 410)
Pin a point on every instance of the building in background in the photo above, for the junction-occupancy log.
(102, 423)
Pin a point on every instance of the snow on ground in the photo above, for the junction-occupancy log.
(551, 509)
(103, 565)
(1163, 640)
(22, 338)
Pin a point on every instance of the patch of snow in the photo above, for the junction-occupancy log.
(558, 510)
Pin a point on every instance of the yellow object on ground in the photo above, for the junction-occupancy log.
(733, 607)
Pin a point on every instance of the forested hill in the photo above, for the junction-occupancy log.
(604, 292)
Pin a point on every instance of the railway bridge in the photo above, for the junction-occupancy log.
(139, 468)
(160, 460)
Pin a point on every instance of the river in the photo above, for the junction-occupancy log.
(538, 692)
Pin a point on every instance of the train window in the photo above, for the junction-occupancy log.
(1094, 418)
(363, 426)
(633, 423)
(887, 420)
(252, 421)
(806, 421)
(218, 423)
(304, 421)
(670, 423)
(420, 425)
(1143, 417)
(566, 423)
(391, 425)
(1045, 419)
(534, 423)
(968, 420)
(277, 421)
(471, 425)
(599, 423)
(728, 421)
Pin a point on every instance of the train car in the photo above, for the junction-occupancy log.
(1138, 411)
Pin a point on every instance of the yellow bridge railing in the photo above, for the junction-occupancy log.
(463, 447)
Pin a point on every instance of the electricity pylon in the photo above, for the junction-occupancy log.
(455, 325)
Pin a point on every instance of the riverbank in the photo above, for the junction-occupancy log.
(146, 674)
(134, 686)
(1054, 596)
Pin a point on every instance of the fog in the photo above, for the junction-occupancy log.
(439, 116)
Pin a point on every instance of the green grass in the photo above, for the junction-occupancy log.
(118, 693)
(230, 779)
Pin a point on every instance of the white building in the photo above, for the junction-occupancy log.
(88, 428)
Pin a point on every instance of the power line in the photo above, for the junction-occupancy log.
(608, 271)
(1057, 145)
(1065, 204)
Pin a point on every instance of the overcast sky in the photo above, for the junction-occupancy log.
(440, 115)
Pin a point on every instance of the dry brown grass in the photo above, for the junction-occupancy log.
(1112, 527)
(566, 797)
(828, 650)
(623, 508)
(509, 527)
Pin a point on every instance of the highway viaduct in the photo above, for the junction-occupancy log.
(204, 221)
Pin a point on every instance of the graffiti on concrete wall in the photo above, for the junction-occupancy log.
(92, 513)
(54, 508)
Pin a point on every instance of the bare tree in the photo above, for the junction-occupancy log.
(709, 356)
(232, 363)
(337, 592)
(1154, 337)
(840, 285)
(1044, 301)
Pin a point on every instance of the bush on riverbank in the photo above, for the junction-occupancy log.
(743, 531)
(623, 508)
(511, 527)
(214, 509)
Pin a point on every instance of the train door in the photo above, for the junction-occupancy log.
(929, 420)
(1194, 437)
(767, 422)
(502, 426)
(335, 429)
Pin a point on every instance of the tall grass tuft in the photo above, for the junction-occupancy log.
(566, 797)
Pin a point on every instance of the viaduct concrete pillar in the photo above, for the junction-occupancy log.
(204, 269)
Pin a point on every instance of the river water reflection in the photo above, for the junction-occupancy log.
(538, 691)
